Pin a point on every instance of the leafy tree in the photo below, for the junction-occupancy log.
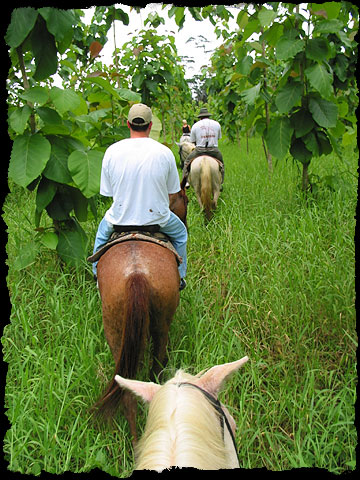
(154, 69)
(296, 80)
(59, 134)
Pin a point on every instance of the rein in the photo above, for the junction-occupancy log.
(217, 405)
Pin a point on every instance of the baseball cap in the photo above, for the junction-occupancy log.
(141, 112)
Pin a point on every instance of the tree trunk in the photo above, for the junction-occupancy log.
(26, 86)
(305, 177)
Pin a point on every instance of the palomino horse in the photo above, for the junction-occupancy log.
(205, 178)
(139, 288)
(185, 147)
(186, 426)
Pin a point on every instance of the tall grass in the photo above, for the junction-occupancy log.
(271, 276)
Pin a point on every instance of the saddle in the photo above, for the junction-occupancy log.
(149, 233)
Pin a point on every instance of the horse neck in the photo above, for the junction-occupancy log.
(179, 205)
(182, 430)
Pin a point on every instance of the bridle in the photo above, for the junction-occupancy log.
(217, 405)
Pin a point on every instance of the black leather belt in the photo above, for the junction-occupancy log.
(136, 228)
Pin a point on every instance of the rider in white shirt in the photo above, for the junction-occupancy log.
(140, 175)
(205, 134)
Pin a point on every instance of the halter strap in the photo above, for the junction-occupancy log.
(217, 405)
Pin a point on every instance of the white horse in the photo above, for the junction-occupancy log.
(187, 426)
(185, 147)
(205, 178)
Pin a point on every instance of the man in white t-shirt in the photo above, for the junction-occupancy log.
(140, 175)
(205, 134)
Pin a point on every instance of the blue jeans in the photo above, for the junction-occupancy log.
(174, 229)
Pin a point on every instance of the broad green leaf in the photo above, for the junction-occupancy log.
(61, 205)
(82, 108)
(35, 94)
(341, 66)
(22, 22)
(251, 27)
(325, 147)
(49, 116)
(98, 97)
(50, 240)
(60, 24)
(72, 245)
(324, 113)
(152, 86)
(122, 16)
(129, 95)
(266, 17)
(105, 84)
(80, 204)
(45, 52)
(273, 34)
(180, 16)
(302, 122)
(45, 193)
(320, 79)
(196, 13)
(288, 97)
(19, 118)
(242, 19)
(329, 26)
(332, 9)
(64, 100)
(317, 49)
(85, 168)
(251, 94)
(287, 47)
(311, 143)
(137, 80)
(29, 156)
(57, 168)
(299, 151)
(244, 65)
(278, 136)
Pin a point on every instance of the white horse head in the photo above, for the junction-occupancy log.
(186, 426)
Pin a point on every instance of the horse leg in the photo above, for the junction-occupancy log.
(195, 183)
(216, 196)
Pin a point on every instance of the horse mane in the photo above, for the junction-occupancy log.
(182, 429)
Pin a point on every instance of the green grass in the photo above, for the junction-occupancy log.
(271, 276)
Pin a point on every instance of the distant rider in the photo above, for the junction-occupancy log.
(140, 175)
(205, 134)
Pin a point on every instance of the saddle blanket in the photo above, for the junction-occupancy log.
(158, 238)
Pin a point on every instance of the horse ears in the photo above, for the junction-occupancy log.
(213, 379)
(144, 390)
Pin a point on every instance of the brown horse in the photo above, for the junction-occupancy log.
(139, 288)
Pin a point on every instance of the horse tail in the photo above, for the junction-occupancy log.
(135, 329)
(206, 188)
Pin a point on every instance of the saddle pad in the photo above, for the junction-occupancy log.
(158, 238)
